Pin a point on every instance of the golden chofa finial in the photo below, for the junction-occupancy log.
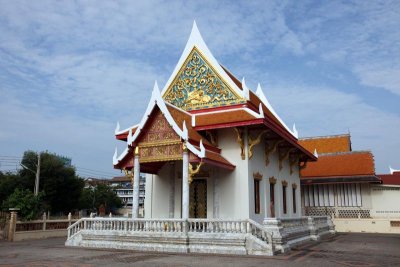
(136, 151)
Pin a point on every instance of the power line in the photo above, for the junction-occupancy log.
(92, 170)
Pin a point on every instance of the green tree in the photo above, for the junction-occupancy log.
(29, 205)
(8, 183)
(61, 186)
(92, 198)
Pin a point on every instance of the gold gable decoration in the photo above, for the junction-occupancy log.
(197, 85)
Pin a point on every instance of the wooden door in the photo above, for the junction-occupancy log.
(198, 199)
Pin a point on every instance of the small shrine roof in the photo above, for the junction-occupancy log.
(345, 164)
(327, 144)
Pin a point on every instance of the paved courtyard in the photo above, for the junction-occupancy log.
(339, 250)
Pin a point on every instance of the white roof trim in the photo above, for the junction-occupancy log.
(195, 40)
(255, 114)
(262, 97)
(118, 131)
(116, 159)
(393, 170)
(193, 120)
(156, 99)
(200, 153)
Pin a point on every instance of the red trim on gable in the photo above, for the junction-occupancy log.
(229, 125)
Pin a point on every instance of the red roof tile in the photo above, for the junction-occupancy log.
(390, 179)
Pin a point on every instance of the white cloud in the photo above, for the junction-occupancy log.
(326, 111)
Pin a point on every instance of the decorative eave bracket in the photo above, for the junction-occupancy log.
(252, 142)
(240, 140)
(193, 171)
(284, 155)
(269, 149)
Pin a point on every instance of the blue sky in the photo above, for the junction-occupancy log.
(69, 70)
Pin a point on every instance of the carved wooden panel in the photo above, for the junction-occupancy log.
(160, 142)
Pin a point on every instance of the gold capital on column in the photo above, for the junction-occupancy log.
(137, 151)
(184, 147)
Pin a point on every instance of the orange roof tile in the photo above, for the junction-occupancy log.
(341, 164)
(179, 116)
(327, 144)
(228, 116)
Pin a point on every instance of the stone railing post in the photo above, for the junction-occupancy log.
(13, 223)
(331, 226)
(110, 215)
(69, 219)
(275, 228)
(91, 215)
(313, 229)
(44, 218)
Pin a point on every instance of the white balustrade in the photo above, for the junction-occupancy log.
(218, 226)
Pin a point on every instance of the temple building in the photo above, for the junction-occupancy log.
(343, 184)
(222, 170)
(213, 148)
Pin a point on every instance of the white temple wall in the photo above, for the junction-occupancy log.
(160, 193)
(272, 170)
(385, 201)
(234, 197)
(148, 200)
(178, 190)
(257, 164)
(366, 196)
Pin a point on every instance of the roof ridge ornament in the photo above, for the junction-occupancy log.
(115, 160)
(129, 139)
(117, 128)
(246, 90)
(316, 153)
(295, 132)
(393, 170)
(260, 109)
(261, 95)
(185, 135)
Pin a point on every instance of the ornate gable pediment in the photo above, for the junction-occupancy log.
(197, 86)
(159, 141)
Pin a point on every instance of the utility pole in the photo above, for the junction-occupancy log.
(37, 176)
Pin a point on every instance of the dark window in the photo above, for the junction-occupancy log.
(284, 198)
(294, 199)
(257, 196)
(272, 199)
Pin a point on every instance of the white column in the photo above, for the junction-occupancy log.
(136, 174)
(216, 197)
(185, 184)
(171, 190)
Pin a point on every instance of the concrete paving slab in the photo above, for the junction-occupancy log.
(348, 249)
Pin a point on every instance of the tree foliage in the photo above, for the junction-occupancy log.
(101, 194)
(29, 205)
(60, 189)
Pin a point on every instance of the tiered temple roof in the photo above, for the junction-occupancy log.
(337, 163)
(201, 96)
